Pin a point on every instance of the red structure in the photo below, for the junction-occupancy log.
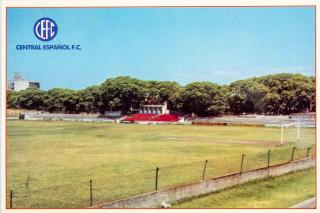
(152, 117)
(140, 117)
(166, 118)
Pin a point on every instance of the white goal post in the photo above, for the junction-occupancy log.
(297, 125)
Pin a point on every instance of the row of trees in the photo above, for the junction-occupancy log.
(272, 94)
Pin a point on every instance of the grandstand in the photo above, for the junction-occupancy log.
(150, 118)
(152, 113)
(139, 117)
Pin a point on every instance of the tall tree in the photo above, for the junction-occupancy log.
(247, 96)
(122, 93)
(89, 100)
(204, 98)
(288, 93)
(169, 91)
(29, 99)
(272, 94)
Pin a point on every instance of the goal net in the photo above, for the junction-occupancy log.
(299, 134)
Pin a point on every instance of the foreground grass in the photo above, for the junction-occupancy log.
(121, 159)
(275, 192)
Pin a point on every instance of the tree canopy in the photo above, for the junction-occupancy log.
(272, 94)
(204, 98)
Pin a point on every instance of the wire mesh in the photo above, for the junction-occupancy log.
(281, 155)
(123, 186)
(299, 134)
(312, 152)
(176, 175)
(300, 153)
(223, 166)
(77, 195)
(257, 161)
(62, 196)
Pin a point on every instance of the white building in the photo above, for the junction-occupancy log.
(154, 109)
(18, 83)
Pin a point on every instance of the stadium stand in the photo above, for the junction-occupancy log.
(140, 117)
(152, 118)
(166, 118)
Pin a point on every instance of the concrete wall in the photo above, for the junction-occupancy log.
(37, 115)
(310, 203)
(268, 120)
(154, 199)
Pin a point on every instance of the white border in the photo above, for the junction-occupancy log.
(126, 3)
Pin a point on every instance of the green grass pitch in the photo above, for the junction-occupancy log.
(50, 163)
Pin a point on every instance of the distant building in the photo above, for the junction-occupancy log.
(18, 83)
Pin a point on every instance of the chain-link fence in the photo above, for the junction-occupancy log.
(94, 191)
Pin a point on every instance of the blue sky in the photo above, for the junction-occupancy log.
(176, 44)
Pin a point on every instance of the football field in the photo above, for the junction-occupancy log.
(50, 163)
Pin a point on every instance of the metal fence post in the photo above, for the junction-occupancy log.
(292, 155)
(241, 167)
(269, 152)
(11, 196)
(308, 151)
(27, 182)
(90, 183)
(157, 175)
(204, 169)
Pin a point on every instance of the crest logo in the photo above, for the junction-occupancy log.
(45, 29)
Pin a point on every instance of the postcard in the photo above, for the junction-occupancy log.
(159, 106)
